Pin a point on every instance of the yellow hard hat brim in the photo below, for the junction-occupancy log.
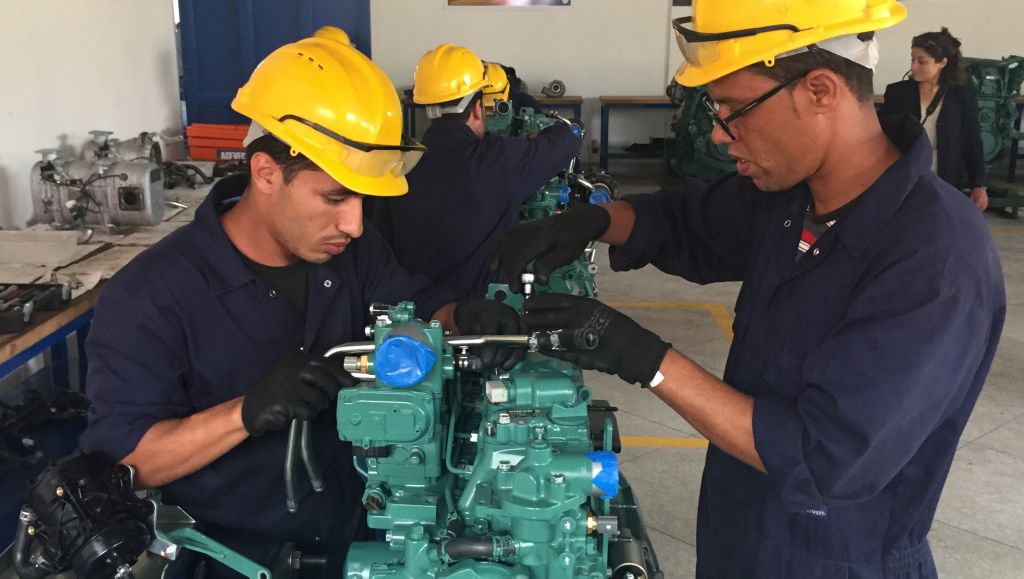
(692, 76)
(384, 186)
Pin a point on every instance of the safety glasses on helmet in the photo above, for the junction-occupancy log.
(701, 48)
(369, 159)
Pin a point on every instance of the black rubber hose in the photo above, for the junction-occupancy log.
(22, 548)
(465, 548)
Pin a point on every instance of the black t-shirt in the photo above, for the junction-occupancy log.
(815, 226)
(291, 281)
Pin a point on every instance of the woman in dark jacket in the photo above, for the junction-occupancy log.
(947, 107)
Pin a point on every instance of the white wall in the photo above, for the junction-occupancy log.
(609, 47)
(70, 66)
(597, 47)
(987, 28)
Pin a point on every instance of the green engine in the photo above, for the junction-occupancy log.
(690, 152)
(572, 185)
(483, 475)
(568, 187)
(996, 82)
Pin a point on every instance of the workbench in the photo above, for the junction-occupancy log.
(610, 103)
(49, 331)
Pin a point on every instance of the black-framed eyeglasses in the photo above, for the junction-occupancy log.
(711, 107)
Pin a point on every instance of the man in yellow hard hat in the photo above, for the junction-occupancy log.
(207, 346)
(469, 185)
(871, 306)
(504, 85)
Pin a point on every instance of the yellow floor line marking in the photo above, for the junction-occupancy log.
(718, 311)
(1006, 230)
(666, 441)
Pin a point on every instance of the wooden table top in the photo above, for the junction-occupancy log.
(45, 324)
(635, 100)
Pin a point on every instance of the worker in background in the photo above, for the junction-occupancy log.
(206, 346)
(500, 88)
(937, 95)
(871, 306)
(468, 188)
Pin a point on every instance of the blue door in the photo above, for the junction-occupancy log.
(222, 41)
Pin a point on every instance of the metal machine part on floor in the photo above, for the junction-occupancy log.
(115, 183)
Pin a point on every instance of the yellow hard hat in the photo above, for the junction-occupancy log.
(333, 33)
(724, 36)
(447, 73)
(497, 85)
(330, 103)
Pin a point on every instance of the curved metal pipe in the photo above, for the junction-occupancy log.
(351, 348)
(291, 500)
(510, 340)
(316, 479)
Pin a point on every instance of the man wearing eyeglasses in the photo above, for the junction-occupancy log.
(206, 347)
(871, 306)
(469, 187)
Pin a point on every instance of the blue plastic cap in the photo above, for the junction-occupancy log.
(563, 195)
(576, 130)
(402, 361)
(607, 479)
(598, 196)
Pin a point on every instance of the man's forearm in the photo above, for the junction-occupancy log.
(622, 219)
(175, 448)
(718, 411)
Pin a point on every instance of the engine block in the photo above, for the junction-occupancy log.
(472, 474)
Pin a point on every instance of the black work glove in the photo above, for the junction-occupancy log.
(489, 317)
(623, 347)
(299, 386)
(552, 242)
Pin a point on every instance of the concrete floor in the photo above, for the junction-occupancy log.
(979, 528)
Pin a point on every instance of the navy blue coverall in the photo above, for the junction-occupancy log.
(464, 193)
(864, 359)
(186, 326)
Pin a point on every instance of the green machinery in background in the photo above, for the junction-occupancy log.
(690, 152)
(997, 83)
(484, 474)
(572, 185)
